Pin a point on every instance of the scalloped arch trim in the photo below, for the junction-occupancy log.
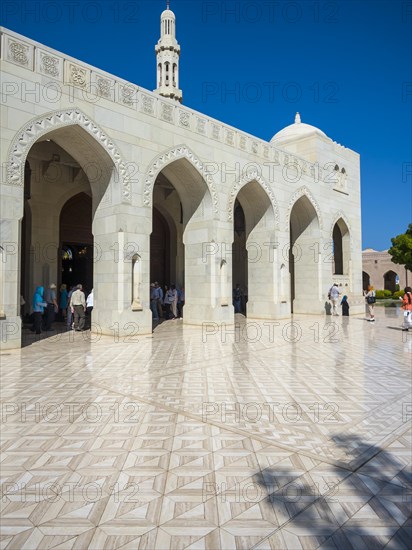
(179, 152)
(40, 126)
(302, 192)
(244, 180)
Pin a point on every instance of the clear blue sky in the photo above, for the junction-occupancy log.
(344, 65)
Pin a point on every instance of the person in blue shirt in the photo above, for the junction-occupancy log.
(38, 308)
(63, 302)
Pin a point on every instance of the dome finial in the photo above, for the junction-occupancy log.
(297, 118)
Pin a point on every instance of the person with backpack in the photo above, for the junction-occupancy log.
(407, 308)
(370, 298)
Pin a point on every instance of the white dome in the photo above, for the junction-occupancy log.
(168, 14)
(296, 130)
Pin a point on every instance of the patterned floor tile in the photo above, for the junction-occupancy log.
(296, 439)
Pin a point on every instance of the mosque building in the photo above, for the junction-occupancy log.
(114, 186)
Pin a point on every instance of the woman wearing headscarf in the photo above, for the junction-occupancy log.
(38, 308)
(345, 306)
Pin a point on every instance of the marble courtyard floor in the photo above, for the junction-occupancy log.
(274, 436)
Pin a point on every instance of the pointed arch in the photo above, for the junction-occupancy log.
(302, 191)
(339, 216)
(176, 153)
(341, 238)
(40, 126)
(244, 180)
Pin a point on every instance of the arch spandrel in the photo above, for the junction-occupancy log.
(40, 126)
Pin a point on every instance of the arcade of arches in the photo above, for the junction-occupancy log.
(64, 202)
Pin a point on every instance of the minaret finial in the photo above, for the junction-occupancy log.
(297, 118)
(168, 4)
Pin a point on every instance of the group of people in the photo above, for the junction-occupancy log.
(166, 303)
(370, 298)
(334, 296)
(73, 307)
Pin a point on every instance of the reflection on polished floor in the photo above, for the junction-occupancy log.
(267, 436)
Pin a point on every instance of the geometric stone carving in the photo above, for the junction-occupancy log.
(127, 95)
(148, 105)
(230, 137)
(166, 112)
(76, 75)
(18, 52)
(184, 119)
(181, 151)
(102, 86)
(31, 132)
(215, 131)
(201, 125)
(49, 65)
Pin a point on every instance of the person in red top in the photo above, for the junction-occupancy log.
(407, 308)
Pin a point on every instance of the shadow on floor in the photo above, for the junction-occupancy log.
(367, 506)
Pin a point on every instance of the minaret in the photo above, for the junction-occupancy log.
(167, 57)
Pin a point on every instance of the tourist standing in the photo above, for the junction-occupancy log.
(370, 298)
(333, 296)
(180, 301)
(345, 306)
(170, 299)
(237, 298)
(407, 308)
(89, 309)
(159, 299)
(78, 303)
(69, 320)
(38, 308)
(63, 302)
(52, 307)
(173, 304)
(153, 302)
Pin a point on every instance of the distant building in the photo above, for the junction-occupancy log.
(379, 270)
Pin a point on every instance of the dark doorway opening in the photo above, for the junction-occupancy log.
(160, 250)
(76, 242)
(240, 255)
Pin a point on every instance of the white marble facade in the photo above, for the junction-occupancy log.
(130, 149)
